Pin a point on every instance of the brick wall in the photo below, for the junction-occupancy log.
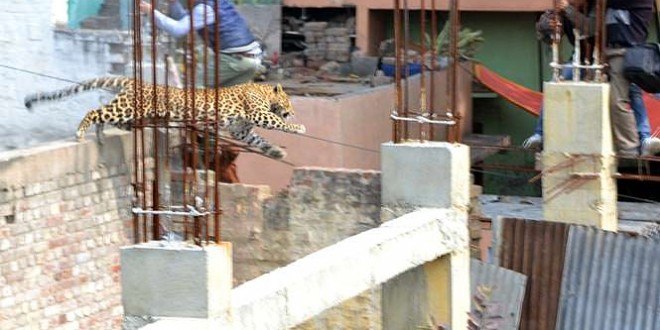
(65, 212)
(319, 208)
(63, 216)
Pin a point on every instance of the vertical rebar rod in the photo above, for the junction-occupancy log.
(136, 189)
(191, 127)
(139, 96)
(188, 150)
(434, 58)
(396, 125)
(139, 146)
(206, 141)
(600, 38)
(406, 67)
(155, 193)
(452, 86)
(556, 71)
(422, 91)
(216, 68)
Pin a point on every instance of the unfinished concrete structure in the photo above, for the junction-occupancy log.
(419, 257)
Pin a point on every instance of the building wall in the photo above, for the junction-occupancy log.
(38, 58)
(64, 213)
(512, 50)
(347, 131)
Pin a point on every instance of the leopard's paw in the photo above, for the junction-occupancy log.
(301, 129)
(276, 153)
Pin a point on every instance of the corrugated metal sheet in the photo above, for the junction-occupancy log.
(611, 281)
(536, 249)
(508, 290)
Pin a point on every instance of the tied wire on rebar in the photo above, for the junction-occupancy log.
(427, 118)
(158, 186)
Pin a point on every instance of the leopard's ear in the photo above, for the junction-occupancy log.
(278, 89)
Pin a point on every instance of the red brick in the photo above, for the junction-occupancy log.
(54, 220)
(57, 242)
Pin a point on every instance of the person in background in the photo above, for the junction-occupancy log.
(239, 52)
(630, 124)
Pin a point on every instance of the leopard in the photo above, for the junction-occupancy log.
(240, 108)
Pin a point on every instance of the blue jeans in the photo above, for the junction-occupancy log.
(639, 109)
(636, 103)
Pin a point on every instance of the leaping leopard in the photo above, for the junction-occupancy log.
(240, 108)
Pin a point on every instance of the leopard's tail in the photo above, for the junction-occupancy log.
(98, 83)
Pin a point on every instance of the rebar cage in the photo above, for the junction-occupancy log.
(422, 124)
(176, 164)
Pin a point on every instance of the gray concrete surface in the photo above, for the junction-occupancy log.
(281, 299)
(430, 174)
(176, 279)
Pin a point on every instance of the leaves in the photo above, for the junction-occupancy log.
(468, 41)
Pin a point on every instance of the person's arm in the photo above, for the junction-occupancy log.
(177, 11)
(202, 15)
(586, 24)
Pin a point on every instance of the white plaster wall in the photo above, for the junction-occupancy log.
(27, 42)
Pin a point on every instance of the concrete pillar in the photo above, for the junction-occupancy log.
(176, 280)
(434, 294)
(429, 174)
(436, 175)
(578, 156)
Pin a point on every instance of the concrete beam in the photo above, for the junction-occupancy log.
(291, 295)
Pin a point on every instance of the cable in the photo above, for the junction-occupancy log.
(38, 74)
(639, 199)
(339, 143)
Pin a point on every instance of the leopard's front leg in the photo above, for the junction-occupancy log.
(269, 120)
(254, 140)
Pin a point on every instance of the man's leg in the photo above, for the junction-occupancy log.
(649, 145)
(232, 71)
(536, 140)
(639, 109)
(235, 70)
(624, 129)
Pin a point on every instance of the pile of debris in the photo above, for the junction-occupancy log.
(326, 43)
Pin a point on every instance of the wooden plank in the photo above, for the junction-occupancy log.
(483, 146)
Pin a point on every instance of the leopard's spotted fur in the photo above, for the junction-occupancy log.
(240, 108)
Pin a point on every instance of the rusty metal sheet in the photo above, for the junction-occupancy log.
(611, 281)
(535, 249)
(508, 290)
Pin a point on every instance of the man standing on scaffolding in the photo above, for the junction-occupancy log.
(240, 53)
(627, 22)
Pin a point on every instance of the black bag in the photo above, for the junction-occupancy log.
(641, 66)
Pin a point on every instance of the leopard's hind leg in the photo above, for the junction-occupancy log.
(107, 114)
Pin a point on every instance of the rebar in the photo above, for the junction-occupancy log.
(427, 115)
(153, 153)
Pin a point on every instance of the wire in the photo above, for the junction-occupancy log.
(50, 76)
(639, 199)
(38, 74)
(339, 143)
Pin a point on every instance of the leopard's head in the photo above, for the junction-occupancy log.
(280, 104)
